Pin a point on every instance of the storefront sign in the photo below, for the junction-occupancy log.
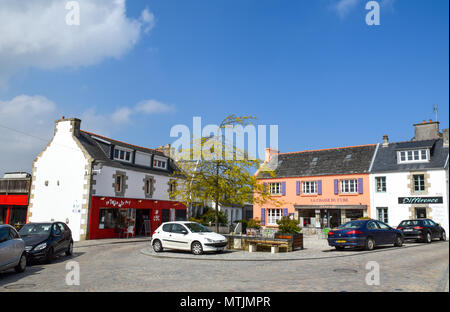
(118, 203)
(420, 200)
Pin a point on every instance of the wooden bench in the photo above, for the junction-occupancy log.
(274, 244)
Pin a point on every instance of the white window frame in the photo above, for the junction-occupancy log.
(421, 183)
(382, 184)
(159, 163)
(346, 186)
(275, 188)
(385, 213)
(274, 214)
(125, 151)
(413, 156)
(309, 187)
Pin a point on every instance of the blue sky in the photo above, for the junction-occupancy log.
(321, 74)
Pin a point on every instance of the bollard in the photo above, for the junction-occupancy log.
(274, 249)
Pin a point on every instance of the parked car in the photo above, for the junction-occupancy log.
(184, 235)
(424, 230)
(12, 250)
(364, 233)
(45, 240)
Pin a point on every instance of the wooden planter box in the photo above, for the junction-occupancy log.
(296, 239)
(253, 232)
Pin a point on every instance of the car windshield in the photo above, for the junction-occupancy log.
(197, 228)
(410, 223)
(351, 225)
(35, 229)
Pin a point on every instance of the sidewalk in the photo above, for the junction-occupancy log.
(109, 241)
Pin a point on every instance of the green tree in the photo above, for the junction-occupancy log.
(206, 173)
(288, 226)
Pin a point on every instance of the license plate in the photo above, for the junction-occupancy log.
(408, 230)
(340, 241)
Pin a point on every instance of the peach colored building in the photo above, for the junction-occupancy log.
(321, 188)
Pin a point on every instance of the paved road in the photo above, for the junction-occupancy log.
(122, 267)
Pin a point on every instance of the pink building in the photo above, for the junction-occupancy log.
(321, 188)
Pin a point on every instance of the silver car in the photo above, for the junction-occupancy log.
(12, 250)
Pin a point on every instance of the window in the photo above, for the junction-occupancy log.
(382, 213)
(4, 234)
(419, 183)
(383, 226)
(119, 184)
(159, 164)
(13, 234)
(380, 184)
(418, 155)
(349, 186)
(372, 226)
(120, 154)
(275, 188)
(309, 187)
(112, 218)
(273, 215)
(421, 213)
(178, 228)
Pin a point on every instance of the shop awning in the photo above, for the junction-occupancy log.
(360, 207)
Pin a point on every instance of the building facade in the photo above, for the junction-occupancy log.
(101, 187)
(322, 188)
(14, 191)
(409, 179)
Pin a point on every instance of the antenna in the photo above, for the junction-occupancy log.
(435, 110)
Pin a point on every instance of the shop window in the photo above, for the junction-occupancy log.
(349, 186)
(273, 215)
(381, 184)
(382, 213)
(419, 183)
(3, 212)
(309, 187)
(354, 214)
(165, 215)
(113, 218)
(17, 216)
(180, 215)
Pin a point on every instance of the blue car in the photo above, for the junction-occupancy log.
(364, 233)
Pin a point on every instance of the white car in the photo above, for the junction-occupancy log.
(186, 235)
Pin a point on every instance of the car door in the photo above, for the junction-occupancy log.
(180, 237)
(165, 235)
(18, 244)
(435, 232)
(387, 235)
(375, 232)
(6, 249)
(66, 236)
(57, 238)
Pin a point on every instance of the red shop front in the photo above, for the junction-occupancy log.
(110, 217)
(13, 209)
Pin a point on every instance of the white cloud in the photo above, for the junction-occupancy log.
(344, 7)
(35, 34)
(153, 107)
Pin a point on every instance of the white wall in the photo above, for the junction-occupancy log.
(104, 184)
(397, 186)
(62, 161)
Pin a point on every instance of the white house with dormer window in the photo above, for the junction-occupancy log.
(101, 187)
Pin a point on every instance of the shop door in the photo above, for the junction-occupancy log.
(142, 215)
(421, 213)
(3, 213)
(335, 218)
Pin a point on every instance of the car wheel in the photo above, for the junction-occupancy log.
(443, 238)
(196, 248)
(157, 246)
(22, 264)
(398, 241)
(50, 256)
(428, 238)
(370, 244)
(69, 250)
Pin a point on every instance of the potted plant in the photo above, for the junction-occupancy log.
(288, 229)
(253, 227)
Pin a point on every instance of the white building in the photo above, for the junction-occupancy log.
(100, 186)
(409, 179)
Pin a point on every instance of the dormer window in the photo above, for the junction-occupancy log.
(419, 155)
(122, 154)
(160, 163)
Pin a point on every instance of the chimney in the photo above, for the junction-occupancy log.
(385, 141)
(270, 152)
(445, 137)
(426, 131)
(71, 124)
(167, 150)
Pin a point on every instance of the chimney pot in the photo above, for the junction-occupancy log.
(385, 140)
(431, 120)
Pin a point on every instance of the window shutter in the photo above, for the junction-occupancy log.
(265, 187)
(336, 186)
(285, 212)
(319, 187)
(283, 188)
(360, 185)
(298, 187)
(263, 216)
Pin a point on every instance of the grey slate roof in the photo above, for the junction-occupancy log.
(101, 153)
(386, 157)
(327, 162)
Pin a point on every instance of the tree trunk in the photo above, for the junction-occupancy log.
(217, 217)
(217, 197)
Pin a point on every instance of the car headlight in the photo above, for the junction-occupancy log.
(209, 240)
(28, 248)
(40, 246)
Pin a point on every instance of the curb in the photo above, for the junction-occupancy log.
(113, 243)
(151, 254)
